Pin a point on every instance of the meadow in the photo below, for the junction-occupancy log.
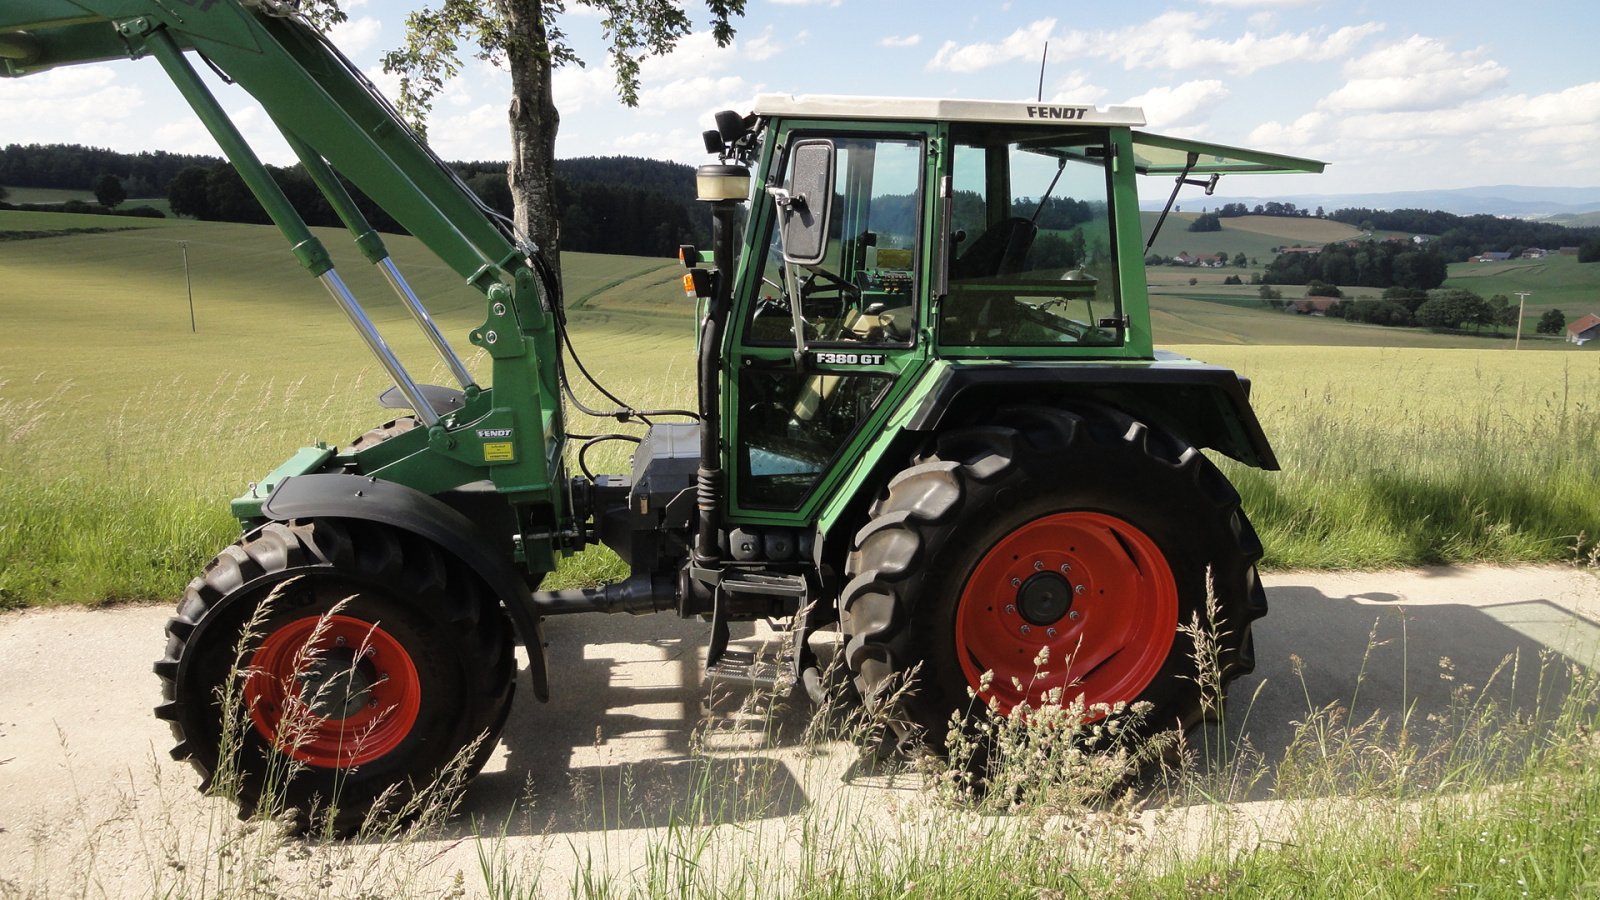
(124, 432)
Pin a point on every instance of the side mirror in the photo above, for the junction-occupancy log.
(806, 202)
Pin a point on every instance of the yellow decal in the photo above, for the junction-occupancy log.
(499, 452)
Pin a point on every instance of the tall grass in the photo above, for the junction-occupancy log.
(1394, 458)
(1390, 457)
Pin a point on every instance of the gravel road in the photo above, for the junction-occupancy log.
(90, 804)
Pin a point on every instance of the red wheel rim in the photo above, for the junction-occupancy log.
(345, 700)
(1106, 638)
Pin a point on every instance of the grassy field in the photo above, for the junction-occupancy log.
(1254, 236)
(124, 433)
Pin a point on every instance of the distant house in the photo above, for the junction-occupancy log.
(1569, 251)
(1491, 256)
(1535, 253)
(1302, 250)
(1584, 330)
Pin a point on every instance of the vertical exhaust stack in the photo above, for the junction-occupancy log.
(724, 186)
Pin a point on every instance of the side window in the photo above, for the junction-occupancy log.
(862, 291)
(1032, 260)
(792, 425)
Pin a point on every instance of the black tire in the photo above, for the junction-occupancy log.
(441, 664)
(995, 502)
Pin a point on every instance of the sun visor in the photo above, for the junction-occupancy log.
(1156, 154)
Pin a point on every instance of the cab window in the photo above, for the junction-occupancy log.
(1032, 259)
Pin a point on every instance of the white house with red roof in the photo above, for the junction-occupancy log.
(1584, 330)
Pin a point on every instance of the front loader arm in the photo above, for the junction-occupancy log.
(335, 121)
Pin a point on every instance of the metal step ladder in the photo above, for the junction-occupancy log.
(758, 669)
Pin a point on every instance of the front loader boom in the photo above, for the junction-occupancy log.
(336, 122)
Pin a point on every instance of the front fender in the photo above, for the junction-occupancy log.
(336, 496)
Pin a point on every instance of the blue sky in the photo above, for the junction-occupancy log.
(1395, 96)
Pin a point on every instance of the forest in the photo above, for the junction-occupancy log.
(629, 205)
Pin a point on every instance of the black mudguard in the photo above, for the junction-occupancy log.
(1208, 406)
(368, 499)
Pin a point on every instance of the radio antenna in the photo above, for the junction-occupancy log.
(1042, 58)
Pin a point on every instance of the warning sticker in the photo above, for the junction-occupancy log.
(499, 451)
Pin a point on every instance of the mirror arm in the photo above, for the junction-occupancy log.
(786, 205)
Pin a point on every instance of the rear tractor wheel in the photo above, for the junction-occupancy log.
(1085, 540)
(322, 665)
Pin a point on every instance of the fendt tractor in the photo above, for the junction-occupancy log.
(930, 420)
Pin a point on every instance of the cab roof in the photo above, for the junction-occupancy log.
(1154, 154)
(828, 106)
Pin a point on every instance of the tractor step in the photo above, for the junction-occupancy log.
(747, 667)
(743, 666)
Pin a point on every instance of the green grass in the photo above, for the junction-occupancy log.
(1559, 282)
(1254, 236)
(46, 195)
(122, 434)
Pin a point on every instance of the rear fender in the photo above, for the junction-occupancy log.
(336, 496)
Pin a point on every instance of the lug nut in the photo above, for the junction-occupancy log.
(339, 641)
(1050, 632)
(1010, 610)
(1073, 615)
(1065, 568)
(1079, 589)
(1038, 566)
(1016, 582)
(1026, 628)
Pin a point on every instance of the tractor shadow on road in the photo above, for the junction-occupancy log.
(628, 740)
(1438, 669)
(623, 741)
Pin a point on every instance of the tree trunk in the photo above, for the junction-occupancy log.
(534, 122)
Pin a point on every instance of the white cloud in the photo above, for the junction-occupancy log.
(692, 92)
(1487, 140)
(828, 3)
(576, 88)
(477, 133)
(1076, 88)
(1171, 40)
(1026, 42)
(82, 104)
(907, 40)
(1418, 73)
(356, 35)
(1271, 4)
(1187, 104)
(760, 48)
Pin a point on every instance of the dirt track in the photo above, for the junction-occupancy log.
(91, 805)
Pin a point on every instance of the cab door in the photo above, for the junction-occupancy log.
(820, 352)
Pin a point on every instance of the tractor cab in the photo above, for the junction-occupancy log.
(889, 239)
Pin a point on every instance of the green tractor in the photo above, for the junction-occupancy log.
(930, 418)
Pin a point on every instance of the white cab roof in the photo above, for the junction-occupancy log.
(824, 106)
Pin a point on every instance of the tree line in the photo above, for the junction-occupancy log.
(630, 205)
(1380, 264)
(1459, 238)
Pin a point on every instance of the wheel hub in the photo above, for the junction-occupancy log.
(336, 685)
(1044, 598)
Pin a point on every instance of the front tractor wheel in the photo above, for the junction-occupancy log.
(1050, 556)
(324, 666)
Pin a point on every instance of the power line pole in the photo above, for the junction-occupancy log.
(184, 245)
(1522, 301)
